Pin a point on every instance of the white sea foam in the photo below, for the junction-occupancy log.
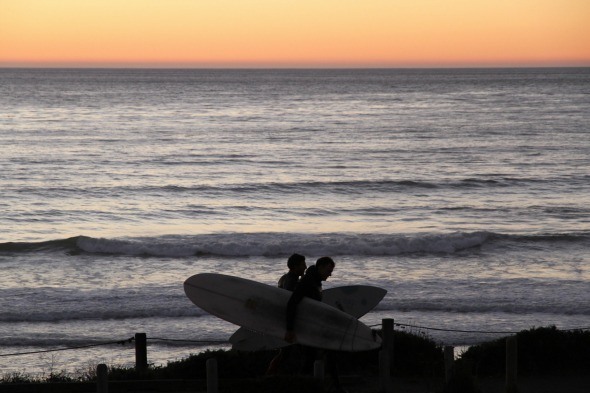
(280, 244)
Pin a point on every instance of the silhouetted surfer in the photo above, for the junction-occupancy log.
(311, 286)
(296, 264)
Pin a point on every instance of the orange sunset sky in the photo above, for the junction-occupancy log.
(294, 33)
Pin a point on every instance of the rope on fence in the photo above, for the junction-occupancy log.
(120, 342)
(472, 331)
(220, 342)
(189, 341)
(455, 330)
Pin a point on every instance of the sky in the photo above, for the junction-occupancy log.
(294, 33)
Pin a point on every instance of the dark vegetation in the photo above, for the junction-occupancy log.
(541, 351)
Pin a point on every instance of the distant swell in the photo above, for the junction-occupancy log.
(281, 244)
(336, 187)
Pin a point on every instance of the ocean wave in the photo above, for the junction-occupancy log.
(44, 341)
(336, 187)
(476, 307)
(259, 244)
(68, 245)
(53, 314)
(282, 244)
(135, 309)
(121, 341)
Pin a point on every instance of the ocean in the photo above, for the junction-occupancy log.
(463, 192)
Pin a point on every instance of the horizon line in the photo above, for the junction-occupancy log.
(269, 64)
(291, 67)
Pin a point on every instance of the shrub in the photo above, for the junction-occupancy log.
(540, 351)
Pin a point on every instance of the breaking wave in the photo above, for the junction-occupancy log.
(281, 244)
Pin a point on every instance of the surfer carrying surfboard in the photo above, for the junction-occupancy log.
(309, 286)
(296, 264)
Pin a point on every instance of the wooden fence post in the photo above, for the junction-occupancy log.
(511, 365)
(386, 355)
(212, 378)
(102, 379)
(141, 362)
(449, 361)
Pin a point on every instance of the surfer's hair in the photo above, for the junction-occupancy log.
(294, 261)
(324, 261)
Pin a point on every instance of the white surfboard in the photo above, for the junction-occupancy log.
(247, 340)
(262, 308)
(355, 300)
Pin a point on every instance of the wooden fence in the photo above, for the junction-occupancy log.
(211, 384)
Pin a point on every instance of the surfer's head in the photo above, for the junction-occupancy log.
(296, 263)
(325, 267)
